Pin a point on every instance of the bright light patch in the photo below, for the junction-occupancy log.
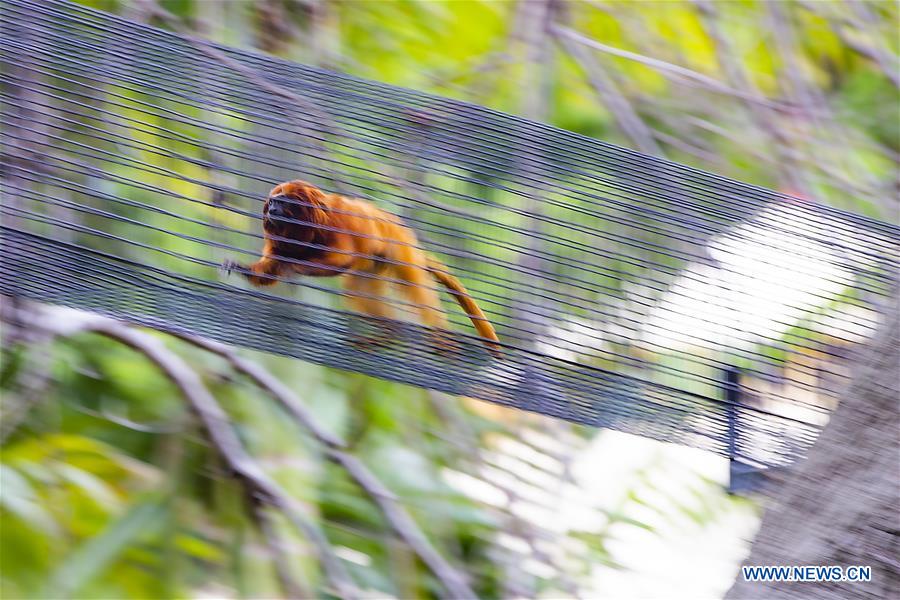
(770, 275)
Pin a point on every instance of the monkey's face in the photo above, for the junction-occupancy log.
(293, 210)
(277, 210)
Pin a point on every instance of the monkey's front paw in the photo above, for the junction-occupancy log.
(229, 266)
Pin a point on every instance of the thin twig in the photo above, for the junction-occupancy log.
(278, 549)
(605, 87)
(328, 124)
(886, 61)
(666, 68)
(814, 106)
(36, 378)
(780, 139)
(530, 30)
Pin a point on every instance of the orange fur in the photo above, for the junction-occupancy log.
(362, 244)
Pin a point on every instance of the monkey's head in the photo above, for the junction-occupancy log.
(294, 201)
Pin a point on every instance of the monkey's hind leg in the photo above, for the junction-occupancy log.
(421, 291)
(369, 297)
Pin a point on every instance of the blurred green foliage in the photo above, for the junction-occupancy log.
(108, 486)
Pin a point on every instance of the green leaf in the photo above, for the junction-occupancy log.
(92, 486)
(19, 498)
(619, 517)
(198, 548)
(95, 555)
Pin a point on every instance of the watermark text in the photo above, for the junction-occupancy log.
(807, 573)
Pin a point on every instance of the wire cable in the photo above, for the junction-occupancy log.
(621, 284)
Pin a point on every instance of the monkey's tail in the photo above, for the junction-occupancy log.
(474, 312)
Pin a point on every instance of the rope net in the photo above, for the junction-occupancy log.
(627, 291)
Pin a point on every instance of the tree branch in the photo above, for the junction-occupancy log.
(398, 518)
(216, 422)
(225, 440)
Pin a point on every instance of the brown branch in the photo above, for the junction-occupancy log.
(226, 442)
(65, 322)
(37, 375)
(327, 124)
(813, 105)
(397, 517)
(269, 383)
(530, 30)
(703, 154)
(404, 525)
(259, 486)
(876, 55)
(535, 17)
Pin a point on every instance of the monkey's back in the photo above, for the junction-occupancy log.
(373, 233)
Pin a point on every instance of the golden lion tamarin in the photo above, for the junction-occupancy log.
(309, 232)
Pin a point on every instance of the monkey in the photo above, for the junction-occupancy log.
(309, 232)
